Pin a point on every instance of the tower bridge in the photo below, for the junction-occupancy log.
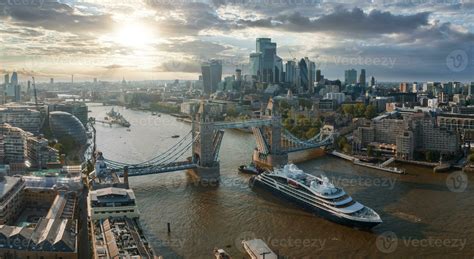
(273, 144)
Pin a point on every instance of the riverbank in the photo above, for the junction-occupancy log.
(381, 167)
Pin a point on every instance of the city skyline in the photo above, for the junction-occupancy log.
(154, 40)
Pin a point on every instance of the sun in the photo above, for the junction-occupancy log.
(133, 35)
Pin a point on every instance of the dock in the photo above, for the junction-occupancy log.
(381, 167)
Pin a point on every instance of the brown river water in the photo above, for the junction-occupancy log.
(425, 214)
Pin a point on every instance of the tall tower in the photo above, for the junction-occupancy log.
(211, 75)
(14, 80)
(7, 79)
(362, 78)
(268, 51)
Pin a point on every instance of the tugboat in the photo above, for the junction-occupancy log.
(250, 169)
(221, 254)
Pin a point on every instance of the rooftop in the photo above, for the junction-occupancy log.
(7, 184)
(121, 238)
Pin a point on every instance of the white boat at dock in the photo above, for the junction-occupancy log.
(257, 249)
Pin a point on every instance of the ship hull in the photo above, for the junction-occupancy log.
(254, 183)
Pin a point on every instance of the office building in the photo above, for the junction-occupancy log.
(14, 79)
(362, 78)
(404, 88)
(11, 198)
(350, 77)
(256, 65)
(403, 136)
(304, 76)
(6, 79)
(338, 97)
(471, 89)
(311, 74)
(290, 72)
(78, 109)
(39, 154)
(53, 235)
(112, 202)
(13, 144)
(211, 75)
(64, 124)
(318, 76)
(22, 117)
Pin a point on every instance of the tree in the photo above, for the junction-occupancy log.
(359, 110)
(347, 148)
(429, 156)
(312, 132)
(341, 142)
(370, 112)
(370, 151)
(232, 112)
(348, 109)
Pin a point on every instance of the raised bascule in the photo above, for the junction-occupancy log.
(273, 144)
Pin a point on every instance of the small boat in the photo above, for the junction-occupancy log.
(175, 136)
(221, 254)
(250, 169)
(128, 129)
(154, 113)
(258, 249)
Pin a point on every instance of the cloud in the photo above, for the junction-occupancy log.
(354, 21)
(177, 65)
(194, 47)
(53, 15)
(113, 67)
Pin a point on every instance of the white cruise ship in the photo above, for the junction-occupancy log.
(318, 195)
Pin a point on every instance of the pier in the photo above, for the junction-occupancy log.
(381, 167)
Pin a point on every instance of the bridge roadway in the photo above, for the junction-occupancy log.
(158, 169)
(244, 124)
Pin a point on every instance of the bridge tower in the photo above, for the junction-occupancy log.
(269, 152)
(205, 148)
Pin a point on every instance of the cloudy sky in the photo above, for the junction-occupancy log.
(395, 40)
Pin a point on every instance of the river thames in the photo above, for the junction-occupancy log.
(424, 214)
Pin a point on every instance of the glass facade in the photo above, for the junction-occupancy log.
(64, 124)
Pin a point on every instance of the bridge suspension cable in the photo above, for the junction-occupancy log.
(158, 159)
